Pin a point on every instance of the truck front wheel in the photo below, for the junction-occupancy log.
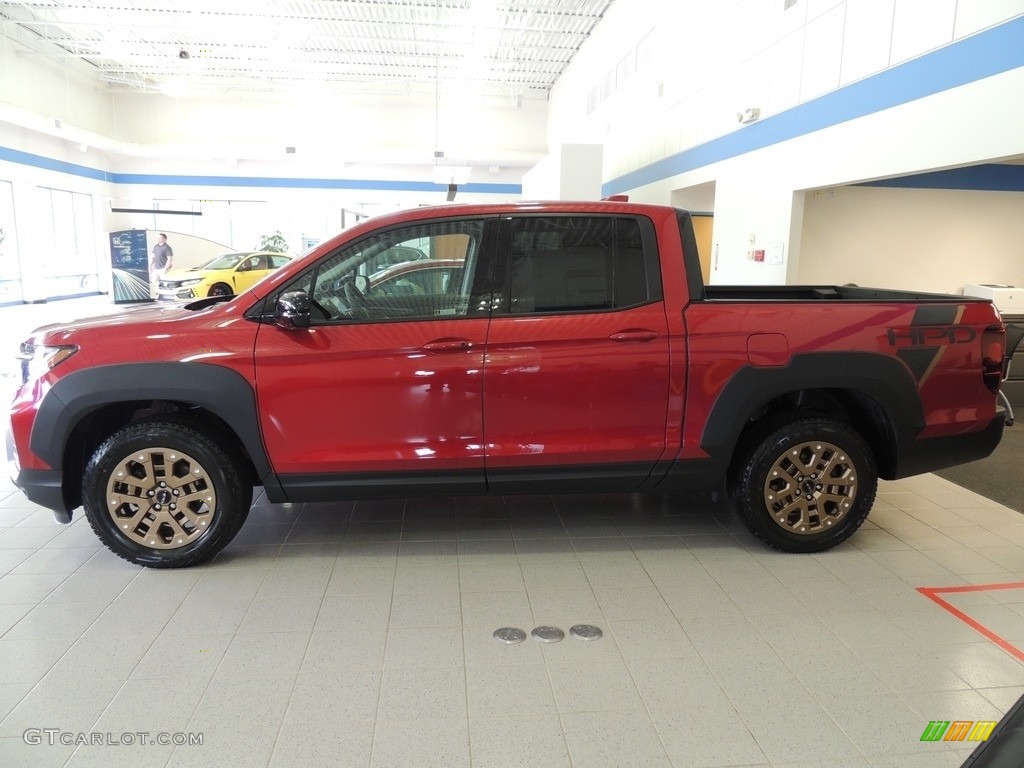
(806, 486)
(164, 495)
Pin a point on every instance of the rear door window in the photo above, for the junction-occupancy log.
(572, 264)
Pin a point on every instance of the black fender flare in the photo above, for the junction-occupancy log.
(220, 390)
(885, 380)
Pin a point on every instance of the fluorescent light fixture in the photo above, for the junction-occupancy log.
(480, 35)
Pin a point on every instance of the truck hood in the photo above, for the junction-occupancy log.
(128, 315)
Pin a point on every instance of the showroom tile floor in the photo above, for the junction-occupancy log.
(360, 634)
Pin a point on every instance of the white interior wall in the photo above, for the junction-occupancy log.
(356, 150)
(708, 61)
(337, 127)
(699, 198)
(669, 77)
(227, 160)
(581, 172)
(32, 216)
(569, 172)
(231, 214)
(37, 88)
(331, 125)
(700, 64)
(302, 214)
(754, 193)
(541, 181)
(923, 239)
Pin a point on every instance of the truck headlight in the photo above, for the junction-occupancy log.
(37, 359)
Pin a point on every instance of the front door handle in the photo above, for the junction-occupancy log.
(449, 345)
(635, 334)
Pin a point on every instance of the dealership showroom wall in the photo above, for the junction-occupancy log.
(874, 142)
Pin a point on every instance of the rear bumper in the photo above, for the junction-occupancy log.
(44, 487)
(941, 452)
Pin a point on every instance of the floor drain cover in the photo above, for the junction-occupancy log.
(509, 635)
(548, 634)
(586, 632)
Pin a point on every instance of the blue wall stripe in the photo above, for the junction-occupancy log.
(981, 178)
(987, 53)
(38, 161)
(49, 164)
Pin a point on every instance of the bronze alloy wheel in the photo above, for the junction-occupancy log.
(804, 485)
(810, 487)
(161, 498)
(166, 494)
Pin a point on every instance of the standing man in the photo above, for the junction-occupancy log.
(162, 259)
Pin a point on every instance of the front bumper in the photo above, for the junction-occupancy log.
(45, 488)
(176, 294)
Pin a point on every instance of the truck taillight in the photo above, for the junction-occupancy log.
(993, 349)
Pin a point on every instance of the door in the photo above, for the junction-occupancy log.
(576, 378)
(385, 384)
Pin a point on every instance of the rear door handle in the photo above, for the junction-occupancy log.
(448, 345)
(635, 334)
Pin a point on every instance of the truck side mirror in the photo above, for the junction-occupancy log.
(292, 310)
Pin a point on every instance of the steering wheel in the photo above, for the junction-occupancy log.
(354, 288)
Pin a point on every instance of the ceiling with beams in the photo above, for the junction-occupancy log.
(507, 46)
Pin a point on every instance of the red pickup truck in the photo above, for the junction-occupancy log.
(499, 349)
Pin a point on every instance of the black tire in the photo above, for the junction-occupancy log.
(806, 486)
(219, 289)
(164, 495)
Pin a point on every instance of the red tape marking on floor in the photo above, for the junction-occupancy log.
(932, 593)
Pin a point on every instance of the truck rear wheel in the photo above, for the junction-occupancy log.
(806, 486)
(164, 495)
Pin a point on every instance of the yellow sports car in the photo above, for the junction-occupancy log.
(224, 276)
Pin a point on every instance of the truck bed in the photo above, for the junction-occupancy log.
(851, 293)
